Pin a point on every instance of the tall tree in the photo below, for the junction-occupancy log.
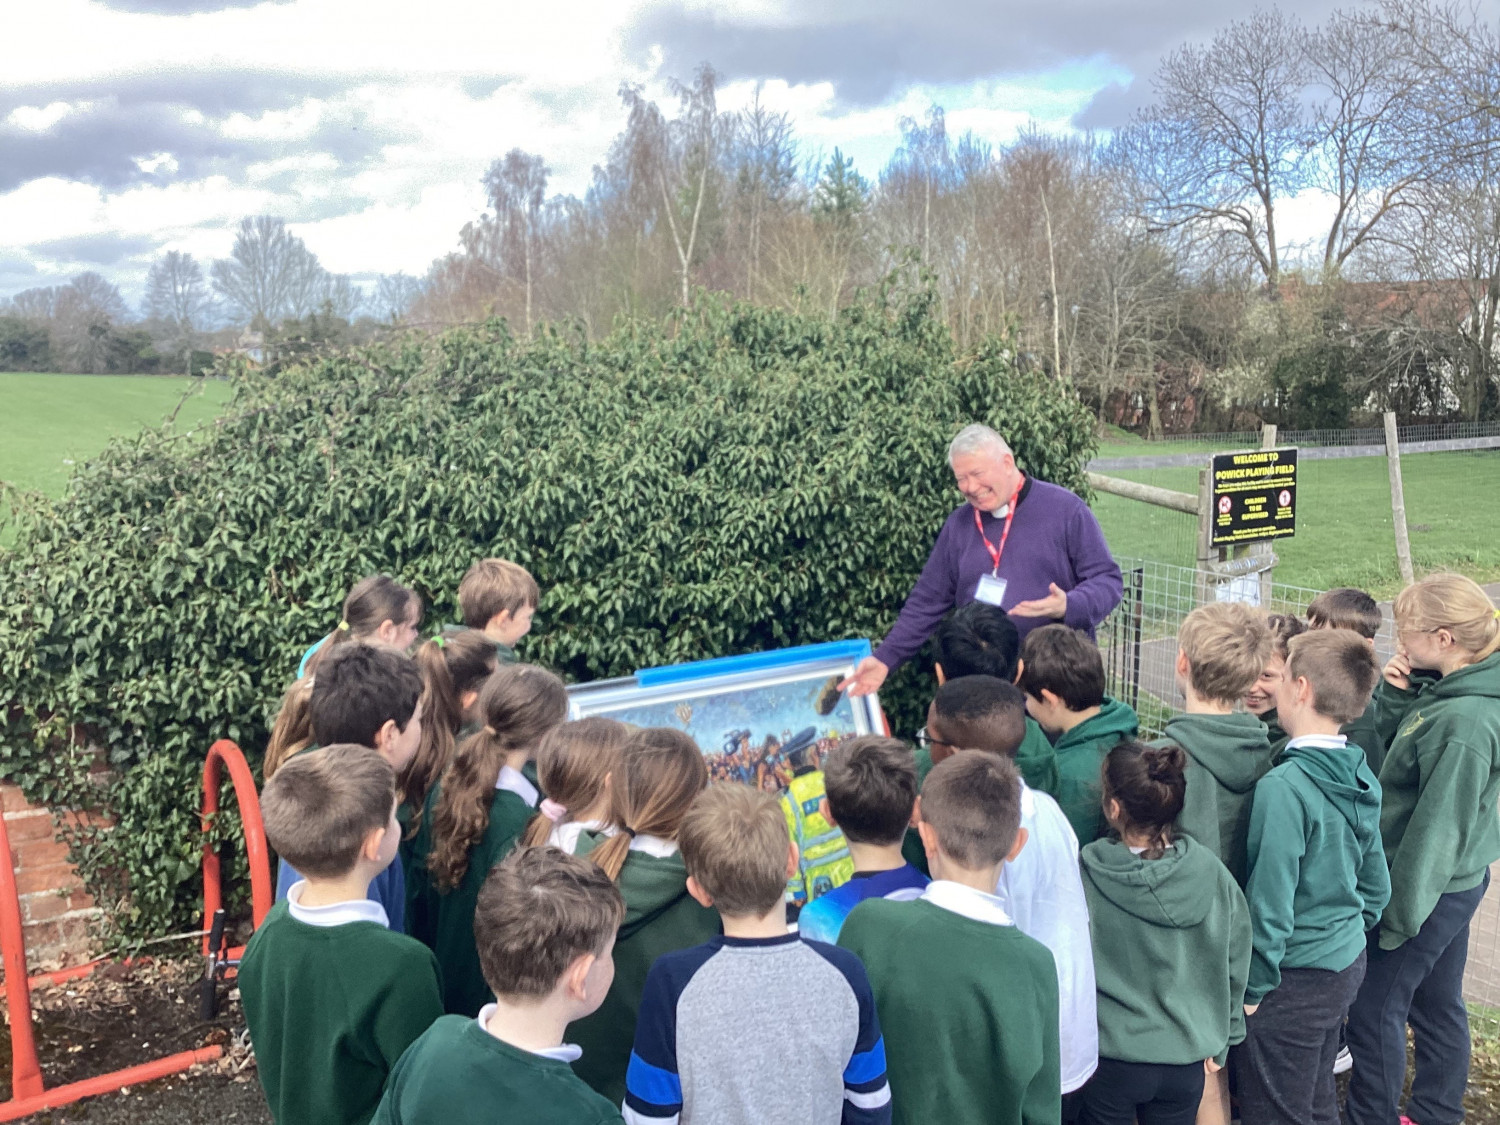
(516, 185)
(86, 310)
(178, 303)
(270, 274)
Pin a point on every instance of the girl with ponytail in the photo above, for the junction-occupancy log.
(292, 732)
(378, 610)
(659, 774)
(1171, 936)
(473, 816)
(454, 666)
(1439, 709)
(574, 763)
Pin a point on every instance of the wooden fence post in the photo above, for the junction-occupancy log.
(1398, 499)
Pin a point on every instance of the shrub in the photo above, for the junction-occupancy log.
(735, 479)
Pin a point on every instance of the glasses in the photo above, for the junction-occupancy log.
(927, 742)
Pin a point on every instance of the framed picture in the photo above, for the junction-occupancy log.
(757, 718)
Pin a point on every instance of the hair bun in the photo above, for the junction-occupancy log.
(1164, 764)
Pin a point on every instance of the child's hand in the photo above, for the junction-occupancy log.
(1211, 1067)
(1251, 1009)
(1398, 671)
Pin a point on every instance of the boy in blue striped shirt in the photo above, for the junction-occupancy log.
(759, 1024)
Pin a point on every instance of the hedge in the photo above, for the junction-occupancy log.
(733, 479)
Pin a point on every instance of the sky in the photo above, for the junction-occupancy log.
(133, 127)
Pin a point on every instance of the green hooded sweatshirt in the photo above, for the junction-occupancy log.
(1440, 781)
(1080, 756)
(1318, 879)
(660, 916)
(1227, 755)
(1171, 950)
(1364, 732)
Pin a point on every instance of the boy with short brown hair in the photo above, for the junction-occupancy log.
(545, 927)
(1222, 649)
(499, 597)
(332, 996)
(757, 1025)
(968, 1002)
(1347, 608)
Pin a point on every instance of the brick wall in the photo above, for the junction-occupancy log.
(56, 912)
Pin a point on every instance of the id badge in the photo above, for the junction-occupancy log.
(990, 590)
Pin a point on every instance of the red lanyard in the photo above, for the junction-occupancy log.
(1010, 514)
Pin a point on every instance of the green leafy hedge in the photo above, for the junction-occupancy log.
(735, 479)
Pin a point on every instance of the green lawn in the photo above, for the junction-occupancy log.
(1344, 534)
(53, 422)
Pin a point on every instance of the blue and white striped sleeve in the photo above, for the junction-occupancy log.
(867, 1094)
(653, 1087)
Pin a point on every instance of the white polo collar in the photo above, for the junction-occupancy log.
(563, 1052)
(653, 846)
(334, 914)
(1327, 741)
(967, 902)
(516, 782)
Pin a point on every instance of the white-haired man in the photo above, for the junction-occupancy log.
(1030, 547)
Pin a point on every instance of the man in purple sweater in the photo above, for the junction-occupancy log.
(1030, 547)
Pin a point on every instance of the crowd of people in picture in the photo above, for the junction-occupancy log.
(1029, 914)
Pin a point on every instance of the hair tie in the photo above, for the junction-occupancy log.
(1496, 615)
(552, 810)
(629, 831)
(344, 625)
(439, 641)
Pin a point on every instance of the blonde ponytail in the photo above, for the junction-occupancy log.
(1455, 603)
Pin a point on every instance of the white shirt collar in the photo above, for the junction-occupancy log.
(516, 782)
(1331, 741)
(334, 914)
(967, 902)
(653, 846)
(563, 1052)
(565, 835)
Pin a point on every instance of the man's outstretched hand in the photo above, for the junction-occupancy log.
(1054, 605)
(869, 674)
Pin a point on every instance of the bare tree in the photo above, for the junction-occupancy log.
(87, 308)
(341, 297)
(764, 174)
(178, 302)
(509, 240)
(395, 295)
(270, 274)
(36, 304)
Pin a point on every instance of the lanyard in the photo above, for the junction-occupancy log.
(1010, 514)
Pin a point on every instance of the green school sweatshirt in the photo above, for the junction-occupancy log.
(1317, 875)
(1034, 758)
(1171, 950)
(969, 1014)
(330, 1010)
(1226, 756)
(660, 916)
(444, 920)
(1440, 782)
(1364, 732)
(1080, 755)
(459, 1074)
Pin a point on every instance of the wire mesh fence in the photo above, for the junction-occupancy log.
(1139, 643)
(1233, 439)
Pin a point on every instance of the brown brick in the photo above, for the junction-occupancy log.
(42, 907)
(40, 853)
(21, 827)
(81, 900)
(57, 877)
(11, 799)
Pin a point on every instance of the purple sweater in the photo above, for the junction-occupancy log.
(1053, 538)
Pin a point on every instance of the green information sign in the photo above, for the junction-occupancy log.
(1255, 496)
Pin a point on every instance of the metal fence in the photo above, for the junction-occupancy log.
(1238, 439)
(1139, 644)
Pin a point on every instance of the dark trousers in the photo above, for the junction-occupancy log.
(1123, 1093)
(1285, 1064)
(1420, 982)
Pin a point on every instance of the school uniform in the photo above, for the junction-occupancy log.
(1171, 954)
(332, 998)
(660, 916)
(1080, 754)
(1317, 882)
(742, 1031)
(967, 1005)
(459, 1074)
(1439, 825)
(572, 835)
(1364, 732)
(444, 920)
(1226, 756)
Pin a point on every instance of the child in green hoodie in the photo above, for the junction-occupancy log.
(1344, 607)
(1221, 650)
(659, 773)
(1317, 882)
(1062, 674)
(473, 817)
(1171, 947)
(1260, 700)
(1440, 782)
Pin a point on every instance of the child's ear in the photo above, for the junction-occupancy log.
(916, 813)
(700, 896)
(1181, 667)
(499, 621)
(825, 813)
(387, 630)
(383, 737)
(1021, 835)
(576, 977)
(792, 856)
(929, 837)
(370, 849)
(467, 700)
(1020, 670)
(1051, 699)
(941, 676)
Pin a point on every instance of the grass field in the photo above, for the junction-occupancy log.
(1344, 534)
(52, 422)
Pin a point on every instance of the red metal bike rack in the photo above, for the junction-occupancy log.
(262, 891)
(28, 1092)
